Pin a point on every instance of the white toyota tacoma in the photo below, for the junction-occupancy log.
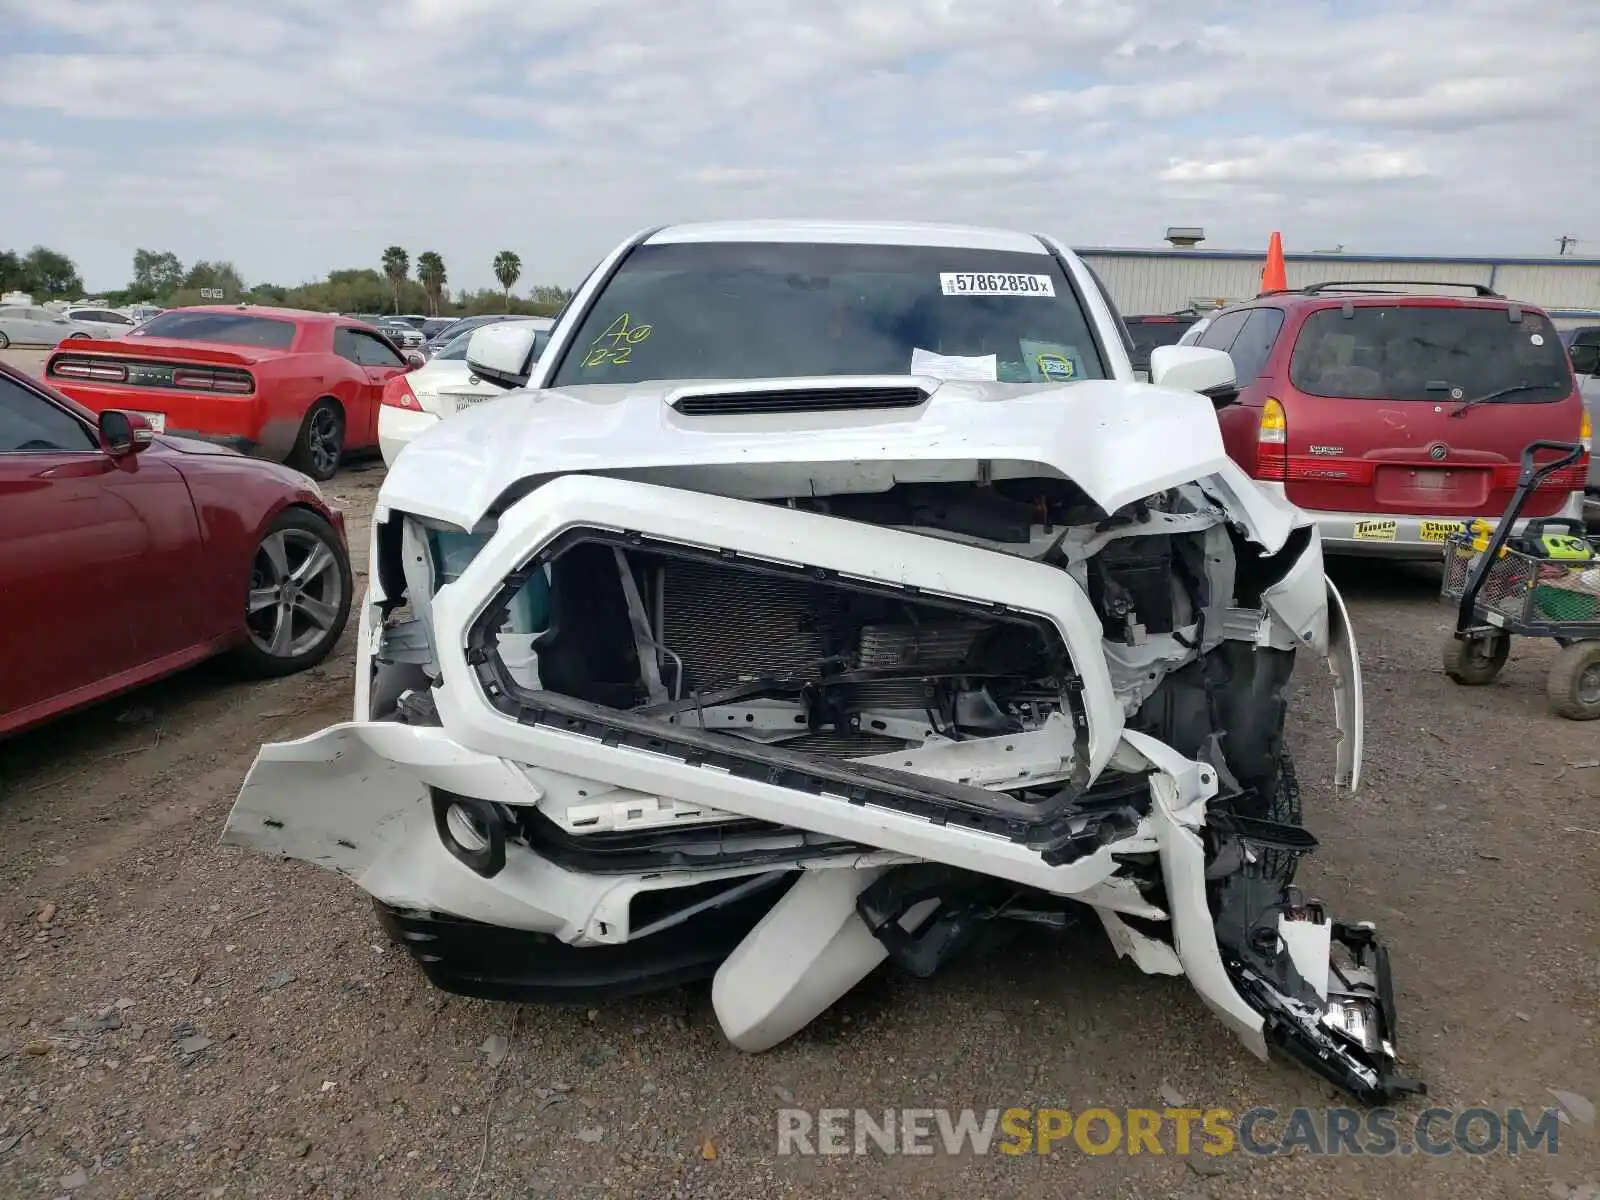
(828, 594)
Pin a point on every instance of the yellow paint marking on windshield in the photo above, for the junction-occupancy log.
(615, 344)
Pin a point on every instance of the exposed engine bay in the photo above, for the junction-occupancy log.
(637, 735)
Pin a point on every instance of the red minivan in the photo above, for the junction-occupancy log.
(1395, 418)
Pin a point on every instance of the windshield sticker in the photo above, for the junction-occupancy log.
(966, 283)
(954, 366)
(615, 345)
(1537, 339)
(1051, 362)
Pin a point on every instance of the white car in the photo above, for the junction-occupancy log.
(832, 594)
(105, 322)
(34, 326)
(444, 386)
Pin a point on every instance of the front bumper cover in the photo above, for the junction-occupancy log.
(364, 799)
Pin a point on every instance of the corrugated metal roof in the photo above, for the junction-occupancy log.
(1165, 280)
(1258, 255)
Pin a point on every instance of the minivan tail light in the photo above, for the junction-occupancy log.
(1272, 443)
(397, 393)
(1579, 471)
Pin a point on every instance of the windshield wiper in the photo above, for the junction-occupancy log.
(1501, 394)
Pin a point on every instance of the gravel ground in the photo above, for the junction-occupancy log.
(179, 1019)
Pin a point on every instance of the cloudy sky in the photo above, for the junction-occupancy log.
(295, 136)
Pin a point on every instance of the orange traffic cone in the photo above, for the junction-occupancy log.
(1273, 277)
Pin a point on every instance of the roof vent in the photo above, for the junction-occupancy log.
(1185, 236)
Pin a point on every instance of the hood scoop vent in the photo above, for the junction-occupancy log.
(834, 398)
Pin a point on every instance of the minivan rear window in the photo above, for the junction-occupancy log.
(229, 329)
(1430, 352)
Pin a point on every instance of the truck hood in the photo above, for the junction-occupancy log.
(1118, 441)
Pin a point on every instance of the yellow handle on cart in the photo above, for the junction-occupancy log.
(1481, 532)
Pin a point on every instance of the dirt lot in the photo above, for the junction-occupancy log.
(178, 1019)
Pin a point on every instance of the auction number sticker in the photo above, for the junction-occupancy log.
(966, 283)
(1376, 531)
(1440, 531)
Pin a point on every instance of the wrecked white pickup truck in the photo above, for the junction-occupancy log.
(831, 594)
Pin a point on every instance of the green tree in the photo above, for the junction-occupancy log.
(507, 269)
(156, 273)
(214, 275)
(396, 265)
(51, 273)
(548, 299)
(431, 274)
(266, 293)
(13, 277)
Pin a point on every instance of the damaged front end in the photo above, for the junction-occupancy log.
(622, 734)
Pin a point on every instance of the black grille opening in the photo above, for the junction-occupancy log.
(837, 399)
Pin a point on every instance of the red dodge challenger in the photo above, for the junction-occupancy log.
(125, 556)
(298, 387)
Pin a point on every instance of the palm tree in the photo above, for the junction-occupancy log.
(430, 273)
(396, 265)
(507, 269)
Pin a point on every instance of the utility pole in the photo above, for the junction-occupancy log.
(1564, 242)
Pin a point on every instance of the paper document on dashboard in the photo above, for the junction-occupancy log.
(983, 367)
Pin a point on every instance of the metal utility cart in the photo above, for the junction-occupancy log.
(1541, 582)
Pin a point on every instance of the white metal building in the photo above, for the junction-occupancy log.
(1170, 279)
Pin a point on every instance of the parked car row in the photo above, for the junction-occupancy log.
(1393, 417)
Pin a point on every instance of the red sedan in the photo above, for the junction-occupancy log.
(125, 556)
(297, 387)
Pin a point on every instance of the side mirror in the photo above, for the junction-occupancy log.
(1195, 369)
(1586, 359)
(124, 433)
(502, 354)
(414, 360)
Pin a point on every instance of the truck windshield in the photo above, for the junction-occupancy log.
(766, 310)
